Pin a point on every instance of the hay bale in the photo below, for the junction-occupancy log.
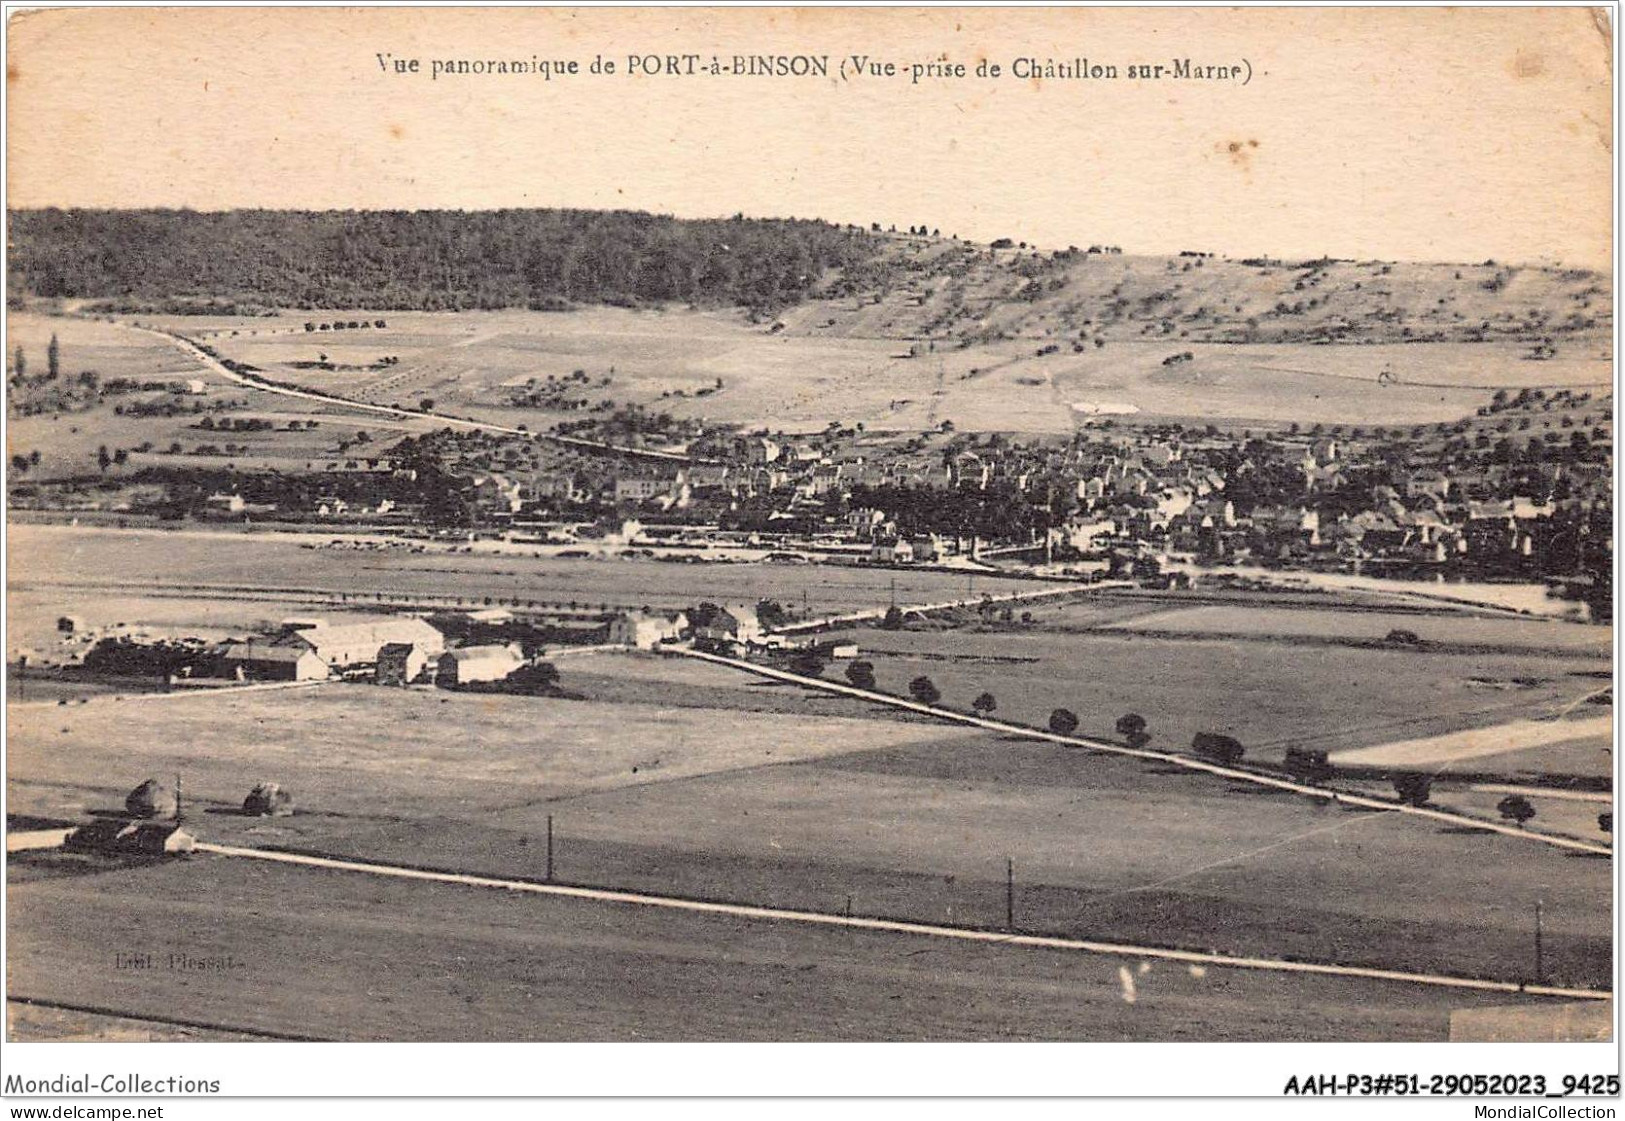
(268, 799)
(152, 799)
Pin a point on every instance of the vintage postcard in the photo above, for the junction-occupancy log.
(862, 524)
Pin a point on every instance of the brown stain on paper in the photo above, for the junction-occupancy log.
(1527, 64)
(1240, 152)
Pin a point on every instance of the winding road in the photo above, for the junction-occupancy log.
(220, 369)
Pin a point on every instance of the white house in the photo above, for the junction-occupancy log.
(645, 631)
(733, 623)
(469, 664)
(350, 644)
(900, 551)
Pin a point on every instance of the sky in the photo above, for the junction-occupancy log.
(1433, 134)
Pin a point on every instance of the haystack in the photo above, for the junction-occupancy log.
(268, 799)
(152, 799)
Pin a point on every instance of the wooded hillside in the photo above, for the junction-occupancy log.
(427, 260)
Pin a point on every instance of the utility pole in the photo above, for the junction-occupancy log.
(177, 797)
(549, 848)
(1009, 894)
(1540, 970)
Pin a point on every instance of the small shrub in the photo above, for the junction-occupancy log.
(1516, 808)
(1413, 787)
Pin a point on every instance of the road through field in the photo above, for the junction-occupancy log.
(851, 922)
(218, 368)
(1182, 761)
(330, 954)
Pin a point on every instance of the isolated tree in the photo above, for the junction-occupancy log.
(1063, 722)
(1605, 821)
(19, 464)
(1413, 787)
(1516, 808)
(19, 362)
(893, 620)
(104, 458)
(1220, 748)
(808, 662)
(984, 704)
(53, 358)
(1130, 724)
(924, 690)
(33, 458)
(1308, 764)
(121, 457)
(426, 405)
(861, 674)
(771, 614)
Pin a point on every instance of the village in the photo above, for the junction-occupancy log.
(1521, 492)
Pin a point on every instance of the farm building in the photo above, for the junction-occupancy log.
(400, 663)
(900, 551)
(735, 623)
(470, 664)
(644, 631)
(356, 644)
(265, 661)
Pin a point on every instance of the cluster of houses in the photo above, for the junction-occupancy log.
(407, 649)
(1193, 494)
(390, 650)
(1335, 516)
(1449, 495)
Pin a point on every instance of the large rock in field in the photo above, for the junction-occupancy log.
(152, 799)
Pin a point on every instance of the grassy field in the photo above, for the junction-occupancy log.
(187, 559)
(32, 614)
(1269, 695)
(68, 441)
(910, 819)
(380, 746)
(787, 380)
(339, 957)
(1239, 620)
(471, 363)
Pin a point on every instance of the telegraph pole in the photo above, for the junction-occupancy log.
(1009, 894)
(1539, 963)
(549, 848)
